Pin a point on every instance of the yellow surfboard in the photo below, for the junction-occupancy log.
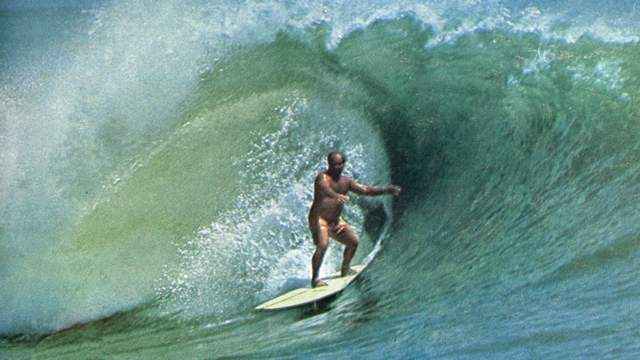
(309, 295)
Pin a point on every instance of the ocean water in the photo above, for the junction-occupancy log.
(157, 160)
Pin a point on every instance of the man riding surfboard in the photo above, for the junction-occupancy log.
(329, 196)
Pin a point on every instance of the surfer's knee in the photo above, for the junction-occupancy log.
(352, 240)
(322, 246)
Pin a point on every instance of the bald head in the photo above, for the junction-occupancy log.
(336, 161)
(335, 156)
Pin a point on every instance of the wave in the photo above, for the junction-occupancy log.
(177, 165)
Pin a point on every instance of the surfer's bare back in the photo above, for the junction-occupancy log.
(329, 196)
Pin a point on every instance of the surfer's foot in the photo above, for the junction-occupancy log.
(318, 283)
(348, 272)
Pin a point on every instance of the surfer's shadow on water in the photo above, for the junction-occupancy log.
(318, 308)
(321, 307)
(336, 302)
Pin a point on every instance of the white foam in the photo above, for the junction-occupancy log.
(607, 74)
(540, 62)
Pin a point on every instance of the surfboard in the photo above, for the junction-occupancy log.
(309, 295)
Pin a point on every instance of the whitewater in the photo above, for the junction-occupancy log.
(157, 161)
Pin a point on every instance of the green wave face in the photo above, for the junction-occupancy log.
(137, 228)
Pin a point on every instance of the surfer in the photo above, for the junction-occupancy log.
(329, 196)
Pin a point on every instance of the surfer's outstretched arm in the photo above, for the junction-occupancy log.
(361, 189)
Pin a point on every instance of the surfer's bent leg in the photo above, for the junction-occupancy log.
(344, 234)
(320, 232)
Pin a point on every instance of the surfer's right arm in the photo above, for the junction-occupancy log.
(322, 182)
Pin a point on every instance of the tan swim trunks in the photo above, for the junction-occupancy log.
(333, 228)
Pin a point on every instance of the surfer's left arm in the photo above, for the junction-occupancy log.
(361, 189)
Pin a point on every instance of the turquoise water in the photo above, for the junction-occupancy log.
(157, 161)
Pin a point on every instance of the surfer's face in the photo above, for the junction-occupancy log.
(336, 164)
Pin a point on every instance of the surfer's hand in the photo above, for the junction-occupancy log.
(342, 198)
(395, 190)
